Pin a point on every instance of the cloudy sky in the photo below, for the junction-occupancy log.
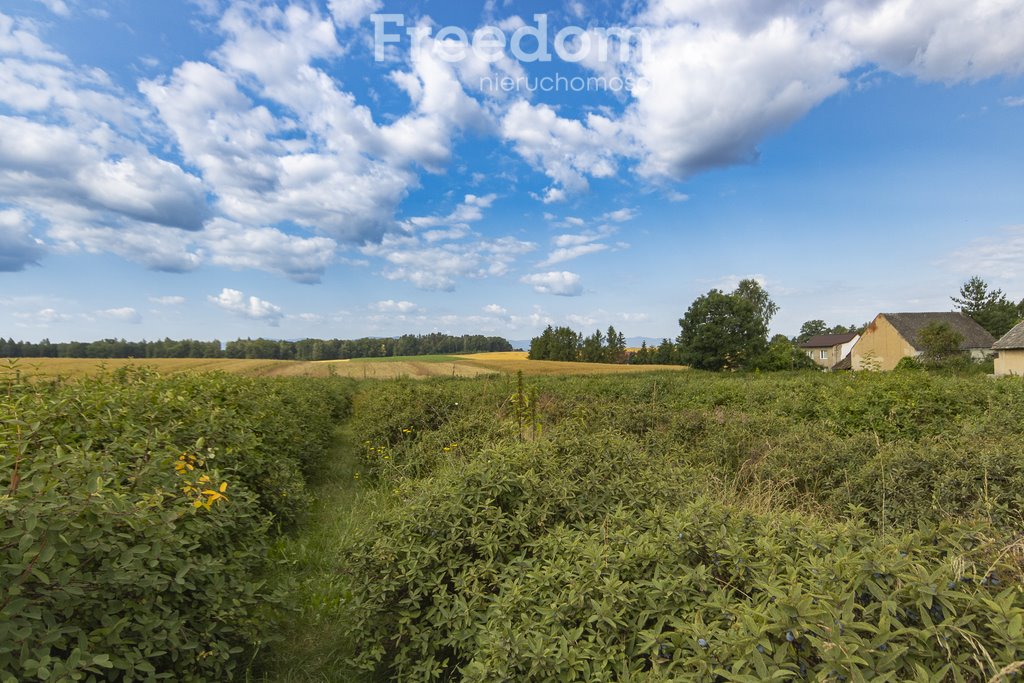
(225, 168)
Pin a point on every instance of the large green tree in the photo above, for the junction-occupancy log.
(989, 308)
(940, 343)
(727, 331)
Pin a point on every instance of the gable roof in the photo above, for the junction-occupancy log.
(1014, 339)
(909, 325)
(828, 340)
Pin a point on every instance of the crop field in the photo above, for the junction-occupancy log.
(638, 527)
(360, 368)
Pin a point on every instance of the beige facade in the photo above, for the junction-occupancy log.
(825, 357)
(881, 347)
(1010, 362)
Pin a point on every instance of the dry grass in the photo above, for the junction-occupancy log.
(391, 368)
(514, 361)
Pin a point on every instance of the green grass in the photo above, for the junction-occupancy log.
(314, 639)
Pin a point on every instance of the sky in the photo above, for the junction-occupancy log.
(347, 168)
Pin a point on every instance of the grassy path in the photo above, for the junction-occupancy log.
(314, 639)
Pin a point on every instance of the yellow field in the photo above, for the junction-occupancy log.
(459, 366)
(513, 361)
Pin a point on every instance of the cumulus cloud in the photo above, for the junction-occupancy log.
(619, 216)
(567, 150)
(349, 13)
(561, 283)
(252, 307)
(58, 7)
(570, 253)
(574, 245)
(391, 306)
(495, 309)
(123, 315)
(171, 300)
(716, 78)
(439, 266)
(302, 259)
(42, 318)
(18, 248)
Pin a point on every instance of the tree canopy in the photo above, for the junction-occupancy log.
(723, 331)
(989, 308)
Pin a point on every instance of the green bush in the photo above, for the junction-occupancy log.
(135, 518)
(693, 526)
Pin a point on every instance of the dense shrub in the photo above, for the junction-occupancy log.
(807, 527)
(135, 515)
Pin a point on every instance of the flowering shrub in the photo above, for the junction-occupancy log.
(135, 518)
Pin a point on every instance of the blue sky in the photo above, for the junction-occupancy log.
(216, 169)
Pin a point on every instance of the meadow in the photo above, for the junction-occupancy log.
(631, 527)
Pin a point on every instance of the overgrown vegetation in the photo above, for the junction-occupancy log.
(136, 516)
(807, 527)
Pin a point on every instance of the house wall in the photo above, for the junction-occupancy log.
(833, 356)
(884, 343)
(847, 348)
(1010, 363)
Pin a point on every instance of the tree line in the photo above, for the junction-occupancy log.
(264, 349)
(564, 344)
(730, 331)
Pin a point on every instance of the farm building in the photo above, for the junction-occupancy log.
(1010, 348)
(892, 337)
(828, 350)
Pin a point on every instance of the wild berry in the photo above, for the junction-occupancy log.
(703, 643)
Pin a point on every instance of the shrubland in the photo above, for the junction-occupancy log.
(136, 512)
(693, 527)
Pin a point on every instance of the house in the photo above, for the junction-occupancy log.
(1010, 348)
(828, 350)
(892, 337)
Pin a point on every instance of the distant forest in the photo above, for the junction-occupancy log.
(268, 349)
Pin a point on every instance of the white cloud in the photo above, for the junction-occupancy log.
(718, 77)
(439, 266)
(620, 216)
(167, 300)
(18, 248)
(470, 210)
(1013, 101)
(123, 315)
(391, 306)
(252, 307)
(302, 259)
(568, 151)
(42, 318)
(569, 253)
(58, 7)
(350, 13)
(561, 283)
(495, 309)
(999, 255)
(18, 37)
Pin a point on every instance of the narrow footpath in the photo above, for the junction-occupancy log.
(314, 638)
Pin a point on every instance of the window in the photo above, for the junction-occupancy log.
(824, 354)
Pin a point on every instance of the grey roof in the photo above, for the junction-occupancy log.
(909, 325)
(822, 341)
(1014, 339)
